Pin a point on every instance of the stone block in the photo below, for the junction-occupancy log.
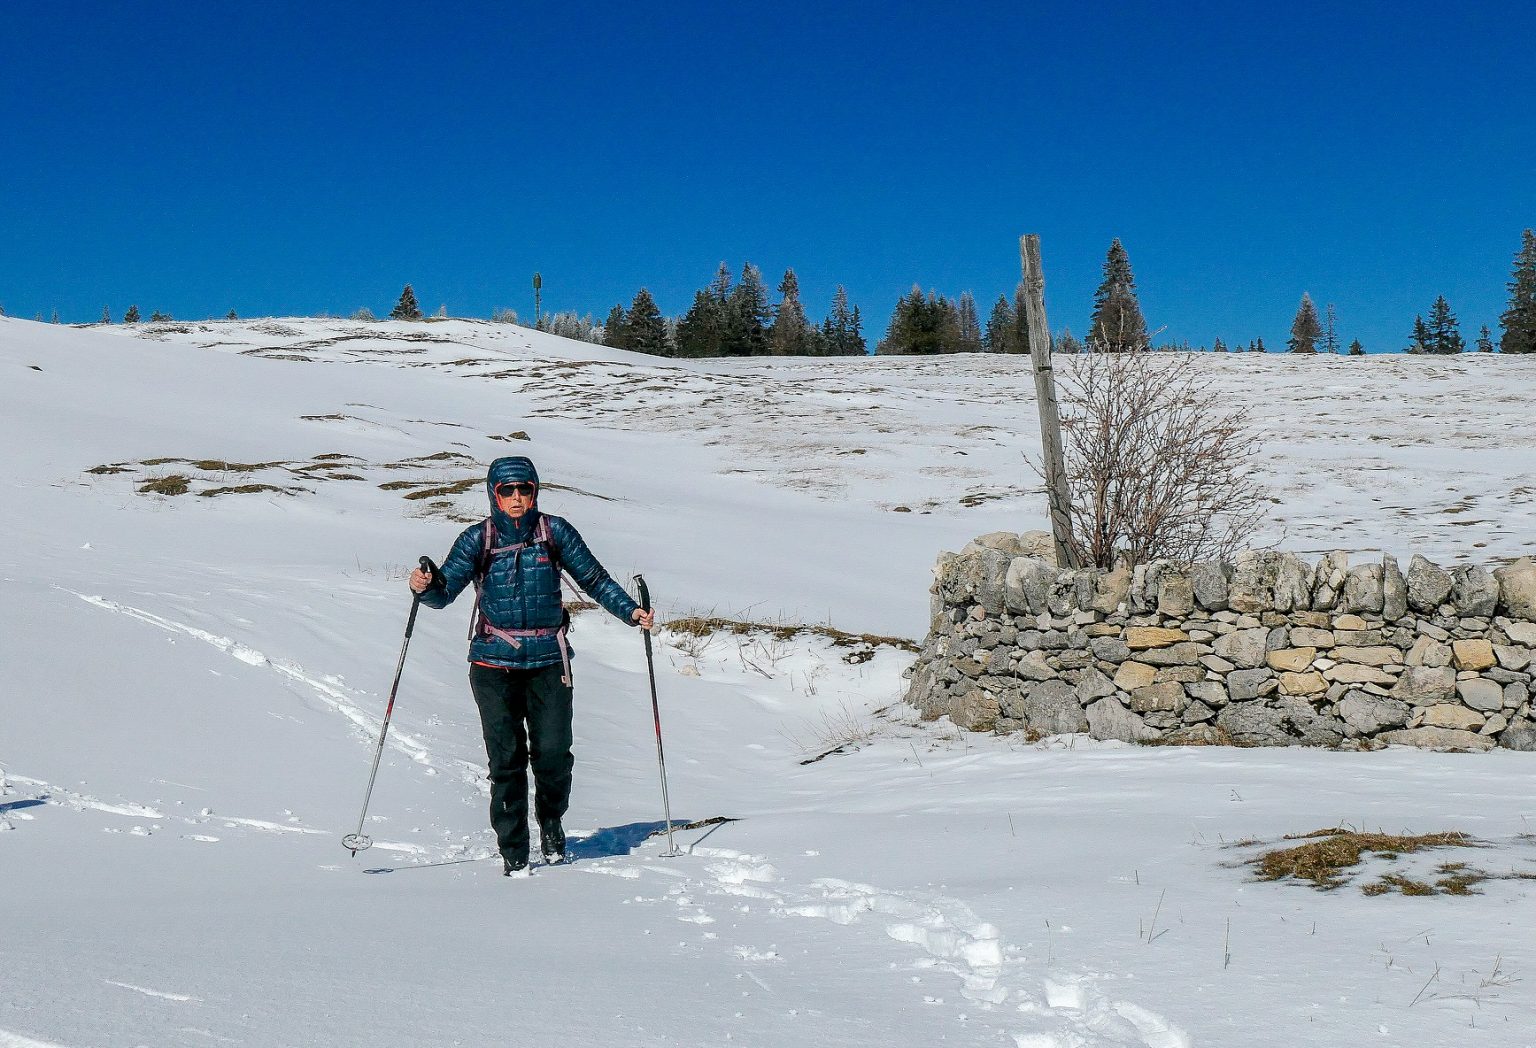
(1449, 715)
(1109, 649)
(1175, 594)
(975, 709)
(1474, 591)
(1307, 637)
(1182, 674)
(1216, 664)
(1251, 684)
(1484, 695)
(1425, 686)
(1367, 714)
(1051, 708)
(1512, 658)
(1140, 638)
(1167, 697)
(1428, 585)
(1244, 648)
(1292, 660)
(1437, 739)
(1027, 585)
(1093, 685)
(1473, 654)
(1107, 719)
(1522, 633)
(1517, 588)
(1302, 684)
(1209, 581)
(1133, 675)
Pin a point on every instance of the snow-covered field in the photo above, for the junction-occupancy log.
(192, 685)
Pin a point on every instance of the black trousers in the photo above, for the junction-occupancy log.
(525, 715)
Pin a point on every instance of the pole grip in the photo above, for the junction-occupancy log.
(429, 567)
(645, 593)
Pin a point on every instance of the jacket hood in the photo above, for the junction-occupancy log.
(503, 470)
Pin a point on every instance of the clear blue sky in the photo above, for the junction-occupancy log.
(298, 157)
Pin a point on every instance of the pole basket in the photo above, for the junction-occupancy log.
(356, 842)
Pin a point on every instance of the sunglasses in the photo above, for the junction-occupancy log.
(506, 491)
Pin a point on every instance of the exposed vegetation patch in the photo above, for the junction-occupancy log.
(458, 487)
(1328, 853)
(860, 647)
(175, 484)
(250, 489)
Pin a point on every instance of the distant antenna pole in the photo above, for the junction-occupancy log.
(1058, 497)
(538, 288)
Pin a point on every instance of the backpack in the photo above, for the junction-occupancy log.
(480, 626)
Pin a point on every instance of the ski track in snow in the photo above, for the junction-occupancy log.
(146, 991)
(1063, 1010)
(332, 696)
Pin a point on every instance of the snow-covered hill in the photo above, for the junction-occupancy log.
(192, 681)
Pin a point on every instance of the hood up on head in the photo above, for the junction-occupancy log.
(503, 470)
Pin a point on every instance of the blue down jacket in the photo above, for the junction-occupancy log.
(522, 590)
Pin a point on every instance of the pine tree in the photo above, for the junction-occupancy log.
(645, 328)
(1330, 331)
(1305, 328)
(232, 315)
(158, 317)
(1067, 343)
(132, 316)
(1519, 320)
(1258, 345)
(969, 324)
(840, 333)
(701, 332)
(1219, 346)
(406, 308)
(106, 316)
(1356, 349)
(1117, 324)
(616, 329)
(747, 315)
(1420, 342)
(1484, 340)
(55, 316)
(998, 337)
(1444, 333)
(791, 333)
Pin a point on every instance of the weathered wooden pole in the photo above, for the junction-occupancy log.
(1057, 495)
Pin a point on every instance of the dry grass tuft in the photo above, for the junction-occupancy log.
(175, 484)
(247, 489)
(861, 646)
(1329, 852)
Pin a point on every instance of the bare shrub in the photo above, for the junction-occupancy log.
(1159, 466)
(833, 731)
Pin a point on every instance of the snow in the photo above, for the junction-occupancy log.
(193, 686)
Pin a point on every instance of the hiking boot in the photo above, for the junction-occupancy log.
(514, 867)
(552, 843)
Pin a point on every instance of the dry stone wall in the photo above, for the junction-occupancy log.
(1268, 650)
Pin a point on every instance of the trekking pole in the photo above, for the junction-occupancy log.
(360, 841)
(661, 760)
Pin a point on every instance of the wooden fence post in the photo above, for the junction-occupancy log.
(1058, 496)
